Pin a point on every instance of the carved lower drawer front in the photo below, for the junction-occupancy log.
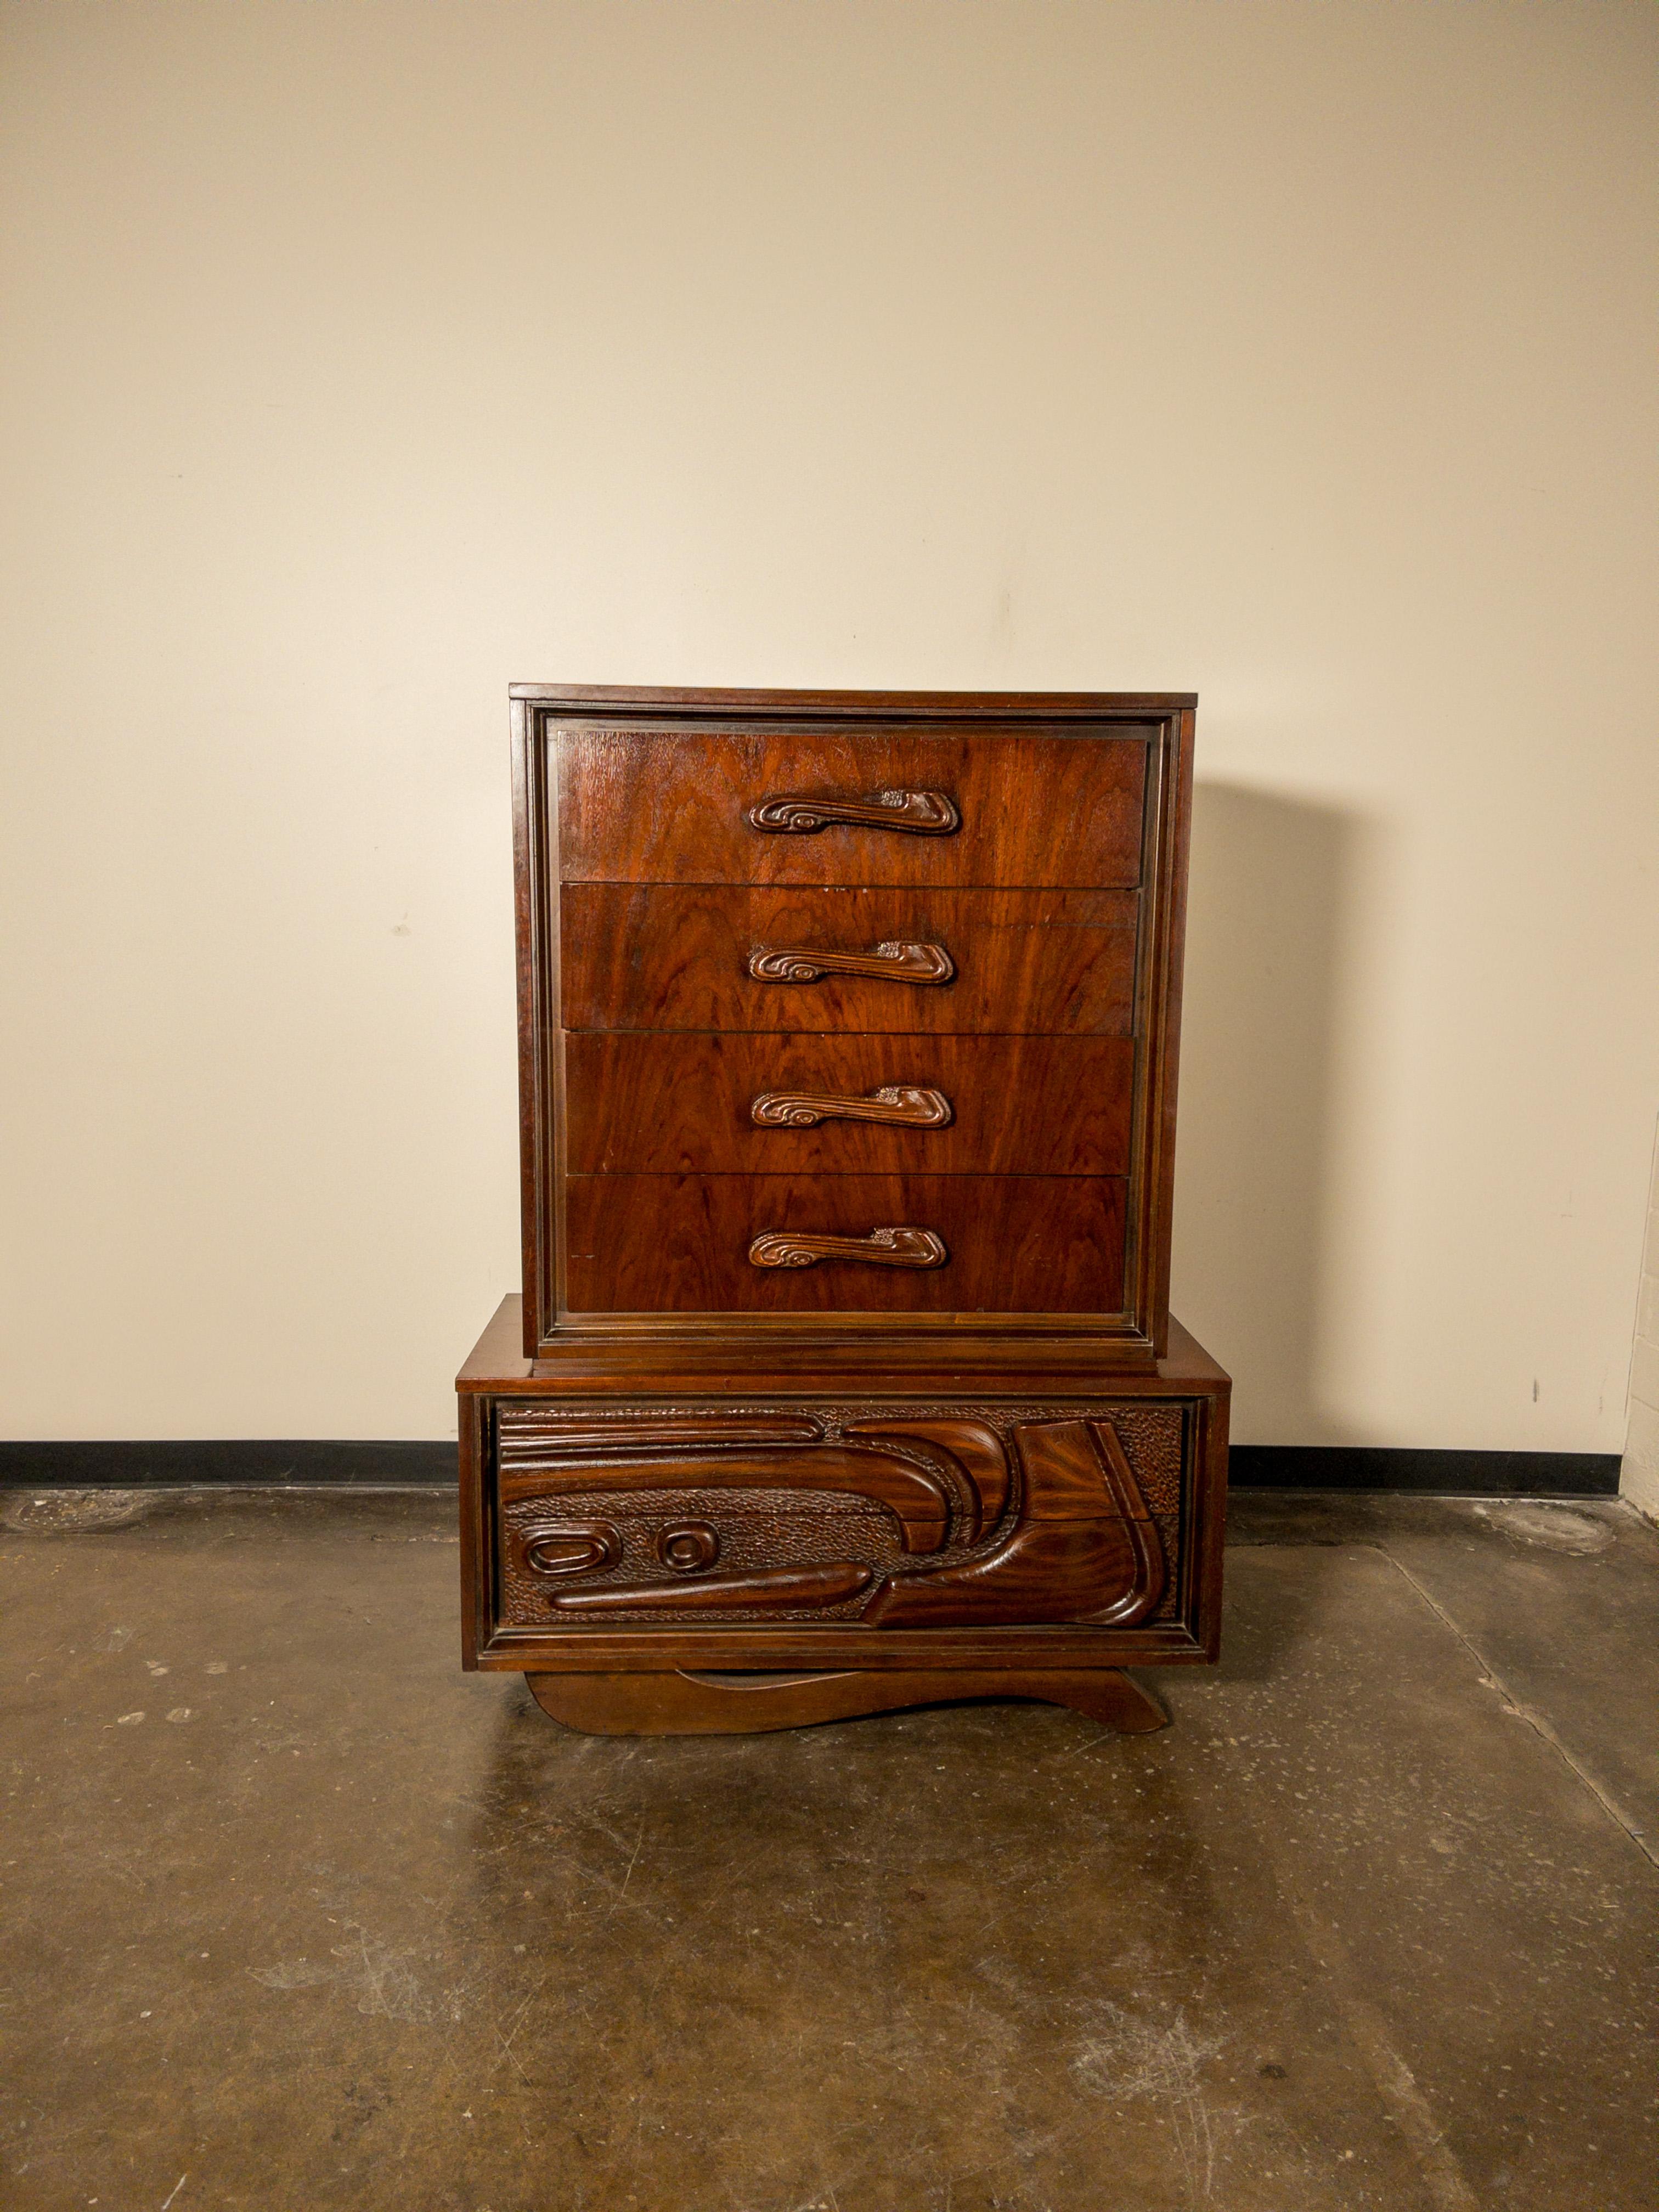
(901, 1517)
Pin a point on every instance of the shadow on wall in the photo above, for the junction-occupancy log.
(1272, 880)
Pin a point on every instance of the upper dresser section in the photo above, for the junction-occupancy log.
(849, 1014)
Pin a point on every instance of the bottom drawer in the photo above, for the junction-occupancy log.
(866, 1516)
(684, 1243)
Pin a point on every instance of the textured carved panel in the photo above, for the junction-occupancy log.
(756, 1529)
(1082, 1546)
(969, 1451)
(1068, 1537)
(917, 1496)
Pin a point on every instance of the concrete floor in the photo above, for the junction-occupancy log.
(299, 1915)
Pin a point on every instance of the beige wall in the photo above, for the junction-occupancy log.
(364, 356)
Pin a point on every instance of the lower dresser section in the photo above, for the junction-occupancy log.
(866, 1529)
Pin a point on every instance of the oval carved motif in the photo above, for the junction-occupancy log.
(687, 1546)
(553, 1548)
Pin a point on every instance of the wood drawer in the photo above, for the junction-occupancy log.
(667, 1102)
(665, 805)
(678, 957)
(680, 1244)
(955, 1514)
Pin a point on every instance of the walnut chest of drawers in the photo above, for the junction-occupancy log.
(843, 1375)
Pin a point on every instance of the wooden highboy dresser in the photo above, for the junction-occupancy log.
(843, 1376)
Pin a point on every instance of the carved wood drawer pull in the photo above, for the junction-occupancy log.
(882, 1247)
(919, 813)
(894, 964)
(902, 1105)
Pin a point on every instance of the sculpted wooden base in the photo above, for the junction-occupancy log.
(741, 1703)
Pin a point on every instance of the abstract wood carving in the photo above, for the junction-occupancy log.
(885, 964)
(920, 813)
(882, 1247)
(1048, 1526)
(901, 1106)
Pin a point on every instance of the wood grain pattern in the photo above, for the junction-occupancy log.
(973, 1446)
(676, 957)
(668, 805)
(661, 1243)
(1082, 1548)
(672, 1100)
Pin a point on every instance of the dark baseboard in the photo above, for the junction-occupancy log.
(250, 1463)
(1444, 1473)
(264, 1465)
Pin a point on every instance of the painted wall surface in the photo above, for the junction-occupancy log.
(358, 360)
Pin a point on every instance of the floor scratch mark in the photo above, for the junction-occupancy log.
(1535, 1720)
(638, 1840)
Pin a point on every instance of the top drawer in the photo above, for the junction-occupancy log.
(833, 805)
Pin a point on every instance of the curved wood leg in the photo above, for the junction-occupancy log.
(685, 1703)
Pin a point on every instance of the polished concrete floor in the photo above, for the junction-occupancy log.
(296, 1915)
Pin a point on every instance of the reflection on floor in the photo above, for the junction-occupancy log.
(299, 1915)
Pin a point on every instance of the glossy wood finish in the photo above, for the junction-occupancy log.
(633, 953)
(688, 1704)
(658, 804)
(1083, 1546)
(676, 957)
(667, 1102)
(661, 1243)
(584, 1438)
(849, 1032)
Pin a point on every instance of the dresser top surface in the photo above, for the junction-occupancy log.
(617, 698)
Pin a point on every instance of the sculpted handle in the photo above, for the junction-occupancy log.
(882, 1247)
(917, 813)
(893, 963)
(902, 1106)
